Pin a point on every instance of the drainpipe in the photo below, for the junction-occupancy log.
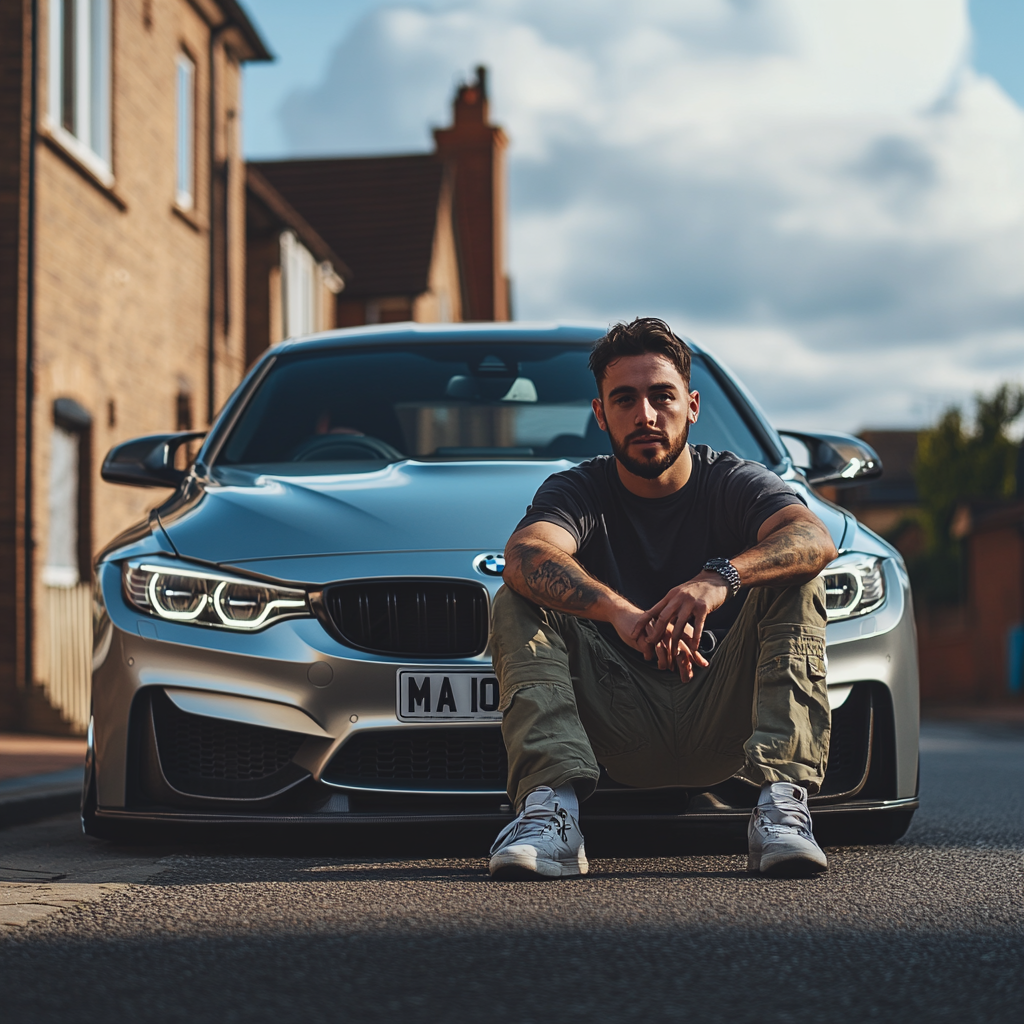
(211, 325)
(30, 305)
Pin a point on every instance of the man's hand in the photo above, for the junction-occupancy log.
(793, 546)
(630, 623)
(675, 624)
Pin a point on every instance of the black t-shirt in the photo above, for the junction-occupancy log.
(643, 547)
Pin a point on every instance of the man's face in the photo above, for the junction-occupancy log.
(647, 410)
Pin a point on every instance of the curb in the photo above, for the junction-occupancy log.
(39, 796)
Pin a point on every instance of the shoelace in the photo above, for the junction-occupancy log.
(784, 815)
(534, 823)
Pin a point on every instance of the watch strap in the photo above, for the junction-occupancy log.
(727, 571)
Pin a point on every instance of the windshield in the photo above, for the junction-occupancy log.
(356, 409)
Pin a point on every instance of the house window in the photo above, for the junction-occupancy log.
(186, 103)
(79, 101)
(69, 541)
(300, 287)
(183, 411)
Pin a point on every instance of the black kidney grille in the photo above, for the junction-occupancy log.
(426, 618)
(196, 747)
(423, 756)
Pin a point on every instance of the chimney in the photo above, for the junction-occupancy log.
(475, 151)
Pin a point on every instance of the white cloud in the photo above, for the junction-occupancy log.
(825, 191)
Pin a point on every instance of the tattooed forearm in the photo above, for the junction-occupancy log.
(796, 547)
(551, 578)
(796, 552)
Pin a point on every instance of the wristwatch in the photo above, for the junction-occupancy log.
(727, 571)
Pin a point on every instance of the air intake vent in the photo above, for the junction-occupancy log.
(419, 618)
(211, 757)
(849, 751)
(465, 759)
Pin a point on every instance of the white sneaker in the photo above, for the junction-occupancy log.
(780, 839)
(543, 842)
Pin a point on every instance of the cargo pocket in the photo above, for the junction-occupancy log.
(793, 717)
(537, 670)
(803, 672)
(507, 694)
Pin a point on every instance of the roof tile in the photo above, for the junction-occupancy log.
(378, 213)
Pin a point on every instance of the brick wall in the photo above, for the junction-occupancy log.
(122, 275)
(476, 150)
(15, 72)
(963, 650)
(442, 301)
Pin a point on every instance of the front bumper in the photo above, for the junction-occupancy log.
(295, 668)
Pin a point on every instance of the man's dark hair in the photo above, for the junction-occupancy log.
(644, 334)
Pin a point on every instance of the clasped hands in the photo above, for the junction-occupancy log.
(670, 631)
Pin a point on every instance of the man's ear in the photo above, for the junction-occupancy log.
(694, 407)
(599, 413)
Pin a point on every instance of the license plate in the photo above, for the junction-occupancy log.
(440, 694)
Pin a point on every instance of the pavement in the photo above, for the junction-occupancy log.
(929, 929)
(39, 775)
(25, 754)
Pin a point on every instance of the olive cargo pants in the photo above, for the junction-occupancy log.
(571, 700)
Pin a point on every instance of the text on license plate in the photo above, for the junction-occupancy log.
(440, 693)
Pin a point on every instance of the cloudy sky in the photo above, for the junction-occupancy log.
(828, 194)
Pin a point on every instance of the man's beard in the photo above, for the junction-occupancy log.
(649, 469)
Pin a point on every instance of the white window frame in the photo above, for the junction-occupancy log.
(89, 137)
(301, 281)
(185, 125)
(61, 568)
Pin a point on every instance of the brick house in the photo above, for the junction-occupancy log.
(971, 652)
(974, 652)
(887, 503)
(423, 234)
(122, 291)
(291, 274)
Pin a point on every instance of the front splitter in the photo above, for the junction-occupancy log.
(696, 818)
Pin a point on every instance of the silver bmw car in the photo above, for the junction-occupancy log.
(298, 635)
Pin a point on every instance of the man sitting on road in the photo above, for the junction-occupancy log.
(611, 579)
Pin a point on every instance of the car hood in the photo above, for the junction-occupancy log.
(408, 506)
(245, 518)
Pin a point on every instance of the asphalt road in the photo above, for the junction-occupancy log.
(930, 929)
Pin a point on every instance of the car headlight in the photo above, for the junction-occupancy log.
(854, 585)
(183, 594)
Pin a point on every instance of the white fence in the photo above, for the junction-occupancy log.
(67, 672)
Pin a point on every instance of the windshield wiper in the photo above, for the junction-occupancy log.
(465, 451)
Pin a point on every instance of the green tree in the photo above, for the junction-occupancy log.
(958, 463)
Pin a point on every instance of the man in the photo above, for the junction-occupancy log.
(619, 568)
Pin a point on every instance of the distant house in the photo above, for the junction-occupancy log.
(884, 503)
(423, 235)
(974, 652)
(122, 288)
(390, 220)
(291, 275)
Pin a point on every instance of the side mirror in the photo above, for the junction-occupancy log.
(147, 461)
(839, 460)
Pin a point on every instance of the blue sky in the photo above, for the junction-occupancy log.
(303, 34)
(828, 193)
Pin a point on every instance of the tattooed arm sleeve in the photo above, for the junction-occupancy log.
(793, 547)
(539, 565)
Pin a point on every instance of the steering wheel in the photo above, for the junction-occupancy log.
(344, 448)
